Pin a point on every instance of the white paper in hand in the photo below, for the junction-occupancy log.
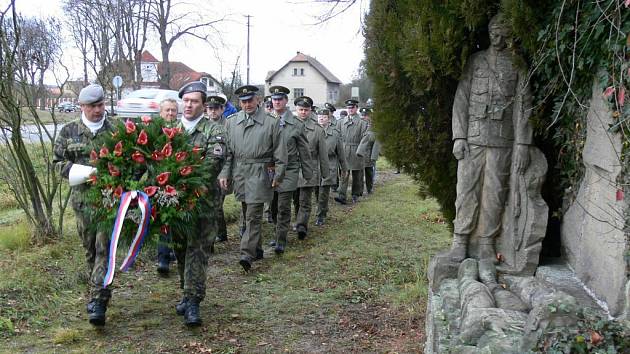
(79, 174)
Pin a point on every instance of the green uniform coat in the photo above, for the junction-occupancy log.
(336, 156)
(255, 147)
(319, 154)
(298, 150)
(352, 129)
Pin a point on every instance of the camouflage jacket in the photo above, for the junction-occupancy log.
(73, 145)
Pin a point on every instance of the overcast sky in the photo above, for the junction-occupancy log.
(279, 28)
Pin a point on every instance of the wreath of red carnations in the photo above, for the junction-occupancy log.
(152, 156)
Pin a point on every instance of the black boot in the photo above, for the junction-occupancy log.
(246, 263)
(221, 238)
(260, 254)
(192, 317)
(181, 307)
(96, 312)
(319, 221)
(301, 231)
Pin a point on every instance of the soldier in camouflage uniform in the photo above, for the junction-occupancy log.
(73, 146)
(215, 106)
(299, 158)
(336, 162)
(319, 159)
(256, 163)
(352, 128)
(193, 250)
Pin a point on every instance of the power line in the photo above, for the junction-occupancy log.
(248, 17)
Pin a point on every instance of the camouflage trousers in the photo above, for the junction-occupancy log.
(304, 213)
(281, 205)
(193, 251)
(323, 196)
(96, 245)
(357, 184)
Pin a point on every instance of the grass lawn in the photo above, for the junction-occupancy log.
(356, 284)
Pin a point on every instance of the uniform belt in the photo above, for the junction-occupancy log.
(261, 160)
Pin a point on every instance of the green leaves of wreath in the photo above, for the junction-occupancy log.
(153, 156)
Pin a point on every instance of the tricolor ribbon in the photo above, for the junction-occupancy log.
(143, 228)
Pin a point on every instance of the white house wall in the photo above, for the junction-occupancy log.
(314, 84)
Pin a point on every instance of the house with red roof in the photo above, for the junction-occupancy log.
(305, 76)
(181, 74)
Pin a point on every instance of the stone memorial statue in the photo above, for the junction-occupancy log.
(492, 141)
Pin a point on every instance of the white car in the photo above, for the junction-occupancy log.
(146, 102)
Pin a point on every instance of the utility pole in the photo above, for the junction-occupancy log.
(248, 17)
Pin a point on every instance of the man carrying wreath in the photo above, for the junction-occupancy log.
(73, 146)
(192, 251)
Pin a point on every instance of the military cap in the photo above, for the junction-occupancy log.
(303, 101)
(267, 99)
(215, 101)
(365, 111)
(329, 107)
(91, 94)
(314, 107)
(351, 102)
(246, 92)
(195, 86)
(323, 111)
(343, 113)
(279, 92)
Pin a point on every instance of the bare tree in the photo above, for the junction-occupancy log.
(24, 160)
(171, 25)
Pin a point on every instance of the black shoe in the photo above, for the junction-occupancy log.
(192, 318)
(301, 231)
(181, 307)
(260, 254)
(241, 232)
(96, 312)
(355, 199)
(163, 267)
(279, 249)
(245, 263)
(270, 219)
(341, 200)
(221, 238)
(319, 221)
(272, 243)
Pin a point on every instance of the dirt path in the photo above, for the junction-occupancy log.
(355, 285)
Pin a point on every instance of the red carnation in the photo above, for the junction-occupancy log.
(167, 150)
(170, 132)
(164, 229)
(157, 156)
(92, 179)
(93, 155)
(181, 156)
(143, 139)
(162, 178)
(186, 170)
(138, 157)
(104, 151)
(146, 119)
(130, 126)
(170, 190)
(113, 170)
(118, 149)
(151, 190)
(196, 149)
(118, 192)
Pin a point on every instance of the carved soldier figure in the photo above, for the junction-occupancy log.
(490, 130)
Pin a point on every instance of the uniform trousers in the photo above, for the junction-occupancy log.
(323, 196)
(482, 185)
(369, 178)
(282, 216)
(96, 245)
(193, 251)
(304, 213)
(357, 184)
(252, 238)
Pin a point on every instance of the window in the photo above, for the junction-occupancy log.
(298, 92)
(294, 71)
(298, 71)
(301, 72)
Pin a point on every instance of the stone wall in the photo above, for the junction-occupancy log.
(593, 240)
